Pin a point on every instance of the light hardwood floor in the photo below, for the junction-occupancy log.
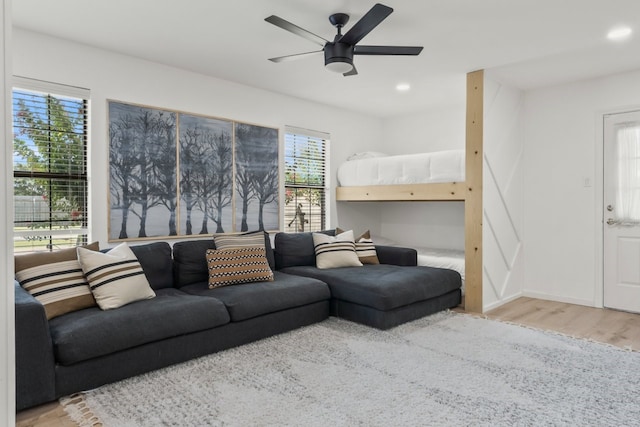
(609, 326)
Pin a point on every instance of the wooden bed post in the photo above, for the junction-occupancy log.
(473, 202)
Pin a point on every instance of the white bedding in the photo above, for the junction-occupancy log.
(438, 166)
(442, 258)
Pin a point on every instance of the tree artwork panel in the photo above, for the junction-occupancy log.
(206, 175)
(256, 178)
(142, 172)
(174, 174)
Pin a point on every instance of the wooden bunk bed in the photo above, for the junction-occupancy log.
(469, 191)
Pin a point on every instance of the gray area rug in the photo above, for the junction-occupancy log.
(444, 370)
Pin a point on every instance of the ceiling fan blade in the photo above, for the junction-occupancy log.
(353, 72)
(368, 22)
(286, 25)
(387, 50)
(294, 56)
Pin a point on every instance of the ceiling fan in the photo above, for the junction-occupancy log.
(338, 54)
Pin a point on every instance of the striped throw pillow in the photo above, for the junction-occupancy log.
(56, 280)
(334, 252)
(116, 277)
(236, 266)
(247, 240)
(365, 248)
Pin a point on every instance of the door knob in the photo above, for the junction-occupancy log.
(610, 208)
(611, 221)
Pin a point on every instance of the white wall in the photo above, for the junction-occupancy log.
(7, 343)
(426, 224)
(431, 224)
(562, 216)
(429, 130)
(502, 223)
(113, 76)
(435, 224)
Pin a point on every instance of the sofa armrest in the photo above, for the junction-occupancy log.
(35, 364)
(396, 255)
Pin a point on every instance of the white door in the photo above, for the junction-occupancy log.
(622, 211)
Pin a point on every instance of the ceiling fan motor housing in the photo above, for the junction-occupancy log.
(338, 52)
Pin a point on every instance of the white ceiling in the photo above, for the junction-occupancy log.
(527, 43)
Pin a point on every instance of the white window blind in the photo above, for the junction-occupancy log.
(306, 183)
(49, 165)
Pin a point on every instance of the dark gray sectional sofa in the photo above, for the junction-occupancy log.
(90, 347)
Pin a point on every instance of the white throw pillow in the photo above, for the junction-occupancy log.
(338, 251)
(365, 248)
(116, 277)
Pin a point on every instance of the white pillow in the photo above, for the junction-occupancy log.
(116, 277)
(365, 248)
(366, 155)
(338, 251)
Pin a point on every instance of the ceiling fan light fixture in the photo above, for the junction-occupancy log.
(339, 65)
(338, 57)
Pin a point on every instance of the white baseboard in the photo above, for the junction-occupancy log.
(558, 298)
(503, 301)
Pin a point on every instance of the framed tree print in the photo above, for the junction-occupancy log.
(142, 172)
(206, 174)
(174, 174)
(257, 178)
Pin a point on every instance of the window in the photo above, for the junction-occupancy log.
(49, 166)
(628, 171)
(306, 183)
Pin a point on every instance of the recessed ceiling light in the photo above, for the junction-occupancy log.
(619, 33)
(403, 87)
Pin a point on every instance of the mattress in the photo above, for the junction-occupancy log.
(437, 166)
(442, 258)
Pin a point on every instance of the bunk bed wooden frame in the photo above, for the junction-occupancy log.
(469, 192)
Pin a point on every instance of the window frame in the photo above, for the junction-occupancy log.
(49, 234)
(292, 133)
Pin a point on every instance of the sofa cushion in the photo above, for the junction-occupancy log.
(334, 252)
(250, 238)
(228, 240)
(155, 259)
(116, 277)
(383, 286)
(56, 280)
(33, 259)
(365, 248)
(292, 249)
(60, 287)
(190, 262)
(91, 333)
(245, 302)
(237, 266)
